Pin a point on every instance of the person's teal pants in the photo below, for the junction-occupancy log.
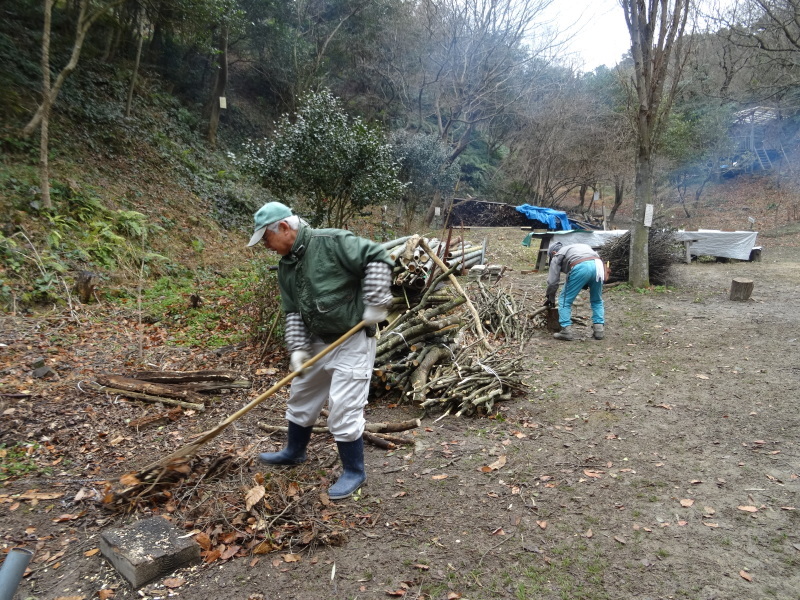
(579, 277)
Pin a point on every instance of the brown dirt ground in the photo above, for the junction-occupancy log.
(659, 463)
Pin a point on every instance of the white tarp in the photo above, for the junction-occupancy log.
(727, 244)
(595, 239)
(704, 242)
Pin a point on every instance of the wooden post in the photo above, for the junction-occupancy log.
(86, 284)
(741, 289)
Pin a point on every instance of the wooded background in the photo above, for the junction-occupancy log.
(441, 98)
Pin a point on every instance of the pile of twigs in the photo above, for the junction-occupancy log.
(236, 512)
(663, 252)
(467, 384)
(501, 314)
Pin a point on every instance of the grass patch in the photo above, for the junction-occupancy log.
(212, 311)
(19, 460)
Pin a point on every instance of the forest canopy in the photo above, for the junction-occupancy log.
(510, 116)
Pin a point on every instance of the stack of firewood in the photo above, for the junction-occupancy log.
(433, 352)
(414, 267)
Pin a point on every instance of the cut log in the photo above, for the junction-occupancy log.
(378, 441)
(552, 320)
(86, 284)
(420, 375)
(186, 376)
(741, 289)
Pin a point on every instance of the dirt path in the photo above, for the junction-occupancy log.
(659, 463)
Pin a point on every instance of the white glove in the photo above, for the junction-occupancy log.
(374, 314)
(297, 359)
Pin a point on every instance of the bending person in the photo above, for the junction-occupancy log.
(584, 268)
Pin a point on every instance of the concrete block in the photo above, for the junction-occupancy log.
(148, 549)
(477, 271)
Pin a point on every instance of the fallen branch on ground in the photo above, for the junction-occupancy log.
(146, 397)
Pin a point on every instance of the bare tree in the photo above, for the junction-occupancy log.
(477, 62)
(656, 28)
(44, 139)
(213, 106)
(86, 18)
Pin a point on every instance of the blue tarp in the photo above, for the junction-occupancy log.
(555, 219)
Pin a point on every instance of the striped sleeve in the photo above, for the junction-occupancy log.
(376, 284)
(296, 334)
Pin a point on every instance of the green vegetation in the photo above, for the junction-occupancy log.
(20, 460)
(340, 165)
(81, 233)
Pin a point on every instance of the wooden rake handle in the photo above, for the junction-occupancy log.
(192, 446)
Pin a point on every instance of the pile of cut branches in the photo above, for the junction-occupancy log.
(414, 265)
(467, 384)
(415, 348)
(663, 252)
(505, 316)
(174, 388)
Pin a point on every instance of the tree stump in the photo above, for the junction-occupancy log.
(553, 325)
(741, 289)
(86, 284)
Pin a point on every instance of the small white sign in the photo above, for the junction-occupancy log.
(596, 195)
(222, 102)
(437, 211)
(751, 219)
(648, 215)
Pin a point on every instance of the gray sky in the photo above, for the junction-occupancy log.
(597, 28)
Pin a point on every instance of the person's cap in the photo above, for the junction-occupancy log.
(268, 214)
(554, 248)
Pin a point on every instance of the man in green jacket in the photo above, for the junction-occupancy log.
(330, 280)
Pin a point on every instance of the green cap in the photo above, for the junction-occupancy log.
(271, 212)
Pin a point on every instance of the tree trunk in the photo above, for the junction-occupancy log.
(656, 30)
(140, 29)
(44, 140)
(84, 24)
(218, 91)
(638, 267)
(619, 191)
(582, 196)
(431, 212)
(156, 45)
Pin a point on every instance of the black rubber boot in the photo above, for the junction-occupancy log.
(354, 475)
(295, 451)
